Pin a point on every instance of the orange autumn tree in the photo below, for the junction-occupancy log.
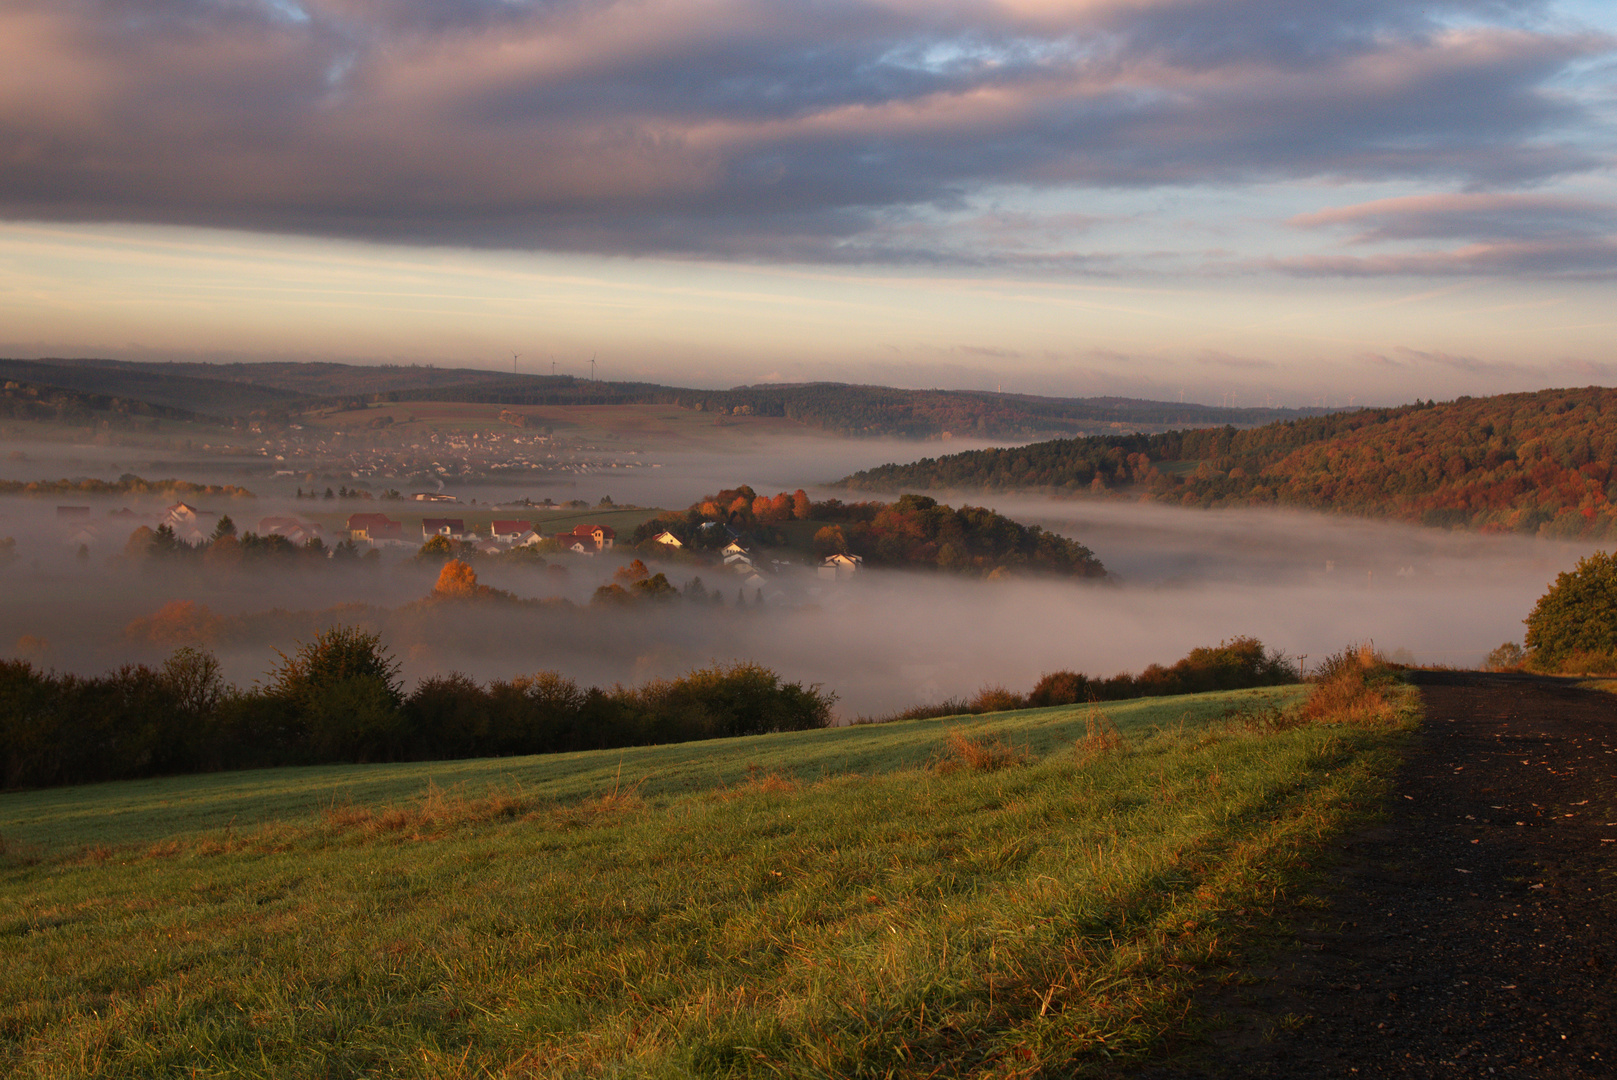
(456, 579)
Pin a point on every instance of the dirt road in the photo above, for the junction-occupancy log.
(1475, 932)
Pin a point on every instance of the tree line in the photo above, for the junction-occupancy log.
(339, 698)
(1236, 664)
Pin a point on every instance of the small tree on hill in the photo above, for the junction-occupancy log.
(1576, 620)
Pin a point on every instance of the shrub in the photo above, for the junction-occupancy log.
(1353, 687)
(997, 699)
(1574, 624)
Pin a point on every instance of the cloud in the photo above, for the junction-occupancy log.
(844, 131)
(1509, 234)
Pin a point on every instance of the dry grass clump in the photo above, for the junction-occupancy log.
(1101, 736)
(436, 812)
(759, 782)
(977, 753)
(1354, 686)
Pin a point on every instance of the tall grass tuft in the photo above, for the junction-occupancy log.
(977, 753)
(1101, 736)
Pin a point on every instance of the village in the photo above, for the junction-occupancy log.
(378, 534)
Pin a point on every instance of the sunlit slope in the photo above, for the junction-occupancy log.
(141, 811)
(1052, 911)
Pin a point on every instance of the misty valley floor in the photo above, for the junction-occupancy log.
(1474, 931)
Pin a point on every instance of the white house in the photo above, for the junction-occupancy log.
(453, 528)
(839, 566)
(667, 538)
(509, 532)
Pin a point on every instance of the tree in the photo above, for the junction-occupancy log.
(656, 587)
(1577, 618)
(456, 579)
(628, 575)
(830, 541)
(225, 528)
(437, 548)
(343, 688)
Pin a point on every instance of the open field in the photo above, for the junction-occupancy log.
(847, 902)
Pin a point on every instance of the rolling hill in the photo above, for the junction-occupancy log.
(1533, 463)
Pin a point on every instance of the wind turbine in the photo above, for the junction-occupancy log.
(514, 362)
(592, 367)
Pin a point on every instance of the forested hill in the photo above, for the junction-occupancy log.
(1535, 463)
(280, 391)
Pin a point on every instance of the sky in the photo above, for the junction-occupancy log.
(1272, 201)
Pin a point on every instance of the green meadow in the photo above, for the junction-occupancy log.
(1017, 894)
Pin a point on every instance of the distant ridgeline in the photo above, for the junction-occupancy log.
(278, 391)
(1536, 463)
(865, 410)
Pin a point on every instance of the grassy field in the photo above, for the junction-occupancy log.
(1016, 894)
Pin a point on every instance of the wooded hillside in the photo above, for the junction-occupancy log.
(1534, 463)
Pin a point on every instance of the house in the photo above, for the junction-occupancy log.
(432, 496)
(576, 544)
(596, 538)
(84, 535)
(529, 539)
(453, 528)
(740, 560)
(374, 528)
(188, 523)
(734, 547)
(294, 529)
(509, 532)
(667, 538)
(185, 514)
(839, 566)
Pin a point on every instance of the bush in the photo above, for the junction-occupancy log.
(1353, 687)
(1574, 624)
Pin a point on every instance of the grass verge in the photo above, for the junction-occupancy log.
(1046, 904)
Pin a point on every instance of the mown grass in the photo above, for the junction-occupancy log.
(1026, 894)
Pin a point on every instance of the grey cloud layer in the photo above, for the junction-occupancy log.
(835, 131)
(1499, 233)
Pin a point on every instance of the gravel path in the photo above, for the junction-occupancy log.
(1475, 932)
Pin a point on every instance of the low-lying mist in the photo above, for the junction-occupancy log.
(1304, 583)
